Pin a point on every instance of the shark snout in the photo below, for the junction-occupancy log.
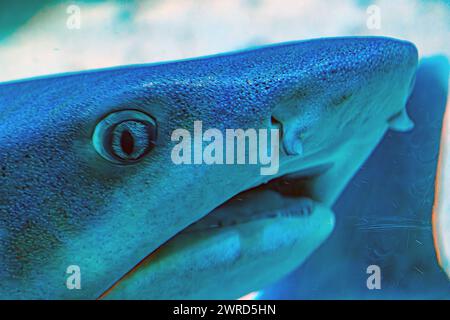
(361, 87)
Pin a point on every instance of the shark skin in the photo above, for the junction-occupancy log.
(64, 204)
(386, 211)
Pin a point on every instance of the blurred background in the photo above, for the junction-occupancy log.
(44, 37)
(384, 216)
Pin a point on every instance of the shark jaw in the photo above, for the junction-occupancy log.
(276, 223)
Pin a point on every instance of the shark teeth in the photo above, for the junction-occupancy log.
(304, 207)
(401, 122)
(299, 207)
(283, 197)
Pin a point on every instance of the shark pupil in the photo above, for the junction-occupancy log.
(127, 142)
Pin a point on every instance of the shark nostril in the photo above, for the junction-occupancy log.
(291, 140)
(276, 124)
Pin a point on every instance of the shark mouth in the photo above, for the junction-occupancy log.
(285, 196)
(288, 196)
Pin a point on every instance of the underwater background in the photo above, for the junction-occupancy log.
(35, 34)
(384, 215)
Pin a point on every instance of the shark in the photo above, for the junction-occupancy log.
(86, 177)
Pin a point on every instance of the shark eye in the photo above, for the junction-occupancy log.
(125, 136)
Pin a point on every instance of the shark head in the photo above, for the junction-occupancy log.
(87, 178)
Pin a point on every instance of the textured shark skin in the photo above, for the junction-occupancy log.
(62, 204)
